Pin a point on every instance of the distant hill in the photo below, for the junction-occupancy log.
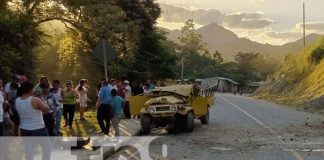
(228, 43)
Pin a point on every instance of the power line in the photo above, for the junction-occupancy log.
(304, 27)
(167, 11)
(148, 53)
(192, 12)
(181, 16)
(143, 61)
(134, 45)
(117, 68)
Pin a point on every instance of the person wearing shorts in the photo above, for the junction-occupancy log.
(83, 97)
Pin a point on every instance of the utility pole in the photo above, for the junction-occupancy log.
(105, 59)
(182, 68)
(304, 27)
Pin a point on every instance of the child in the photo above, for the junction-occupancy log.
(116, 104)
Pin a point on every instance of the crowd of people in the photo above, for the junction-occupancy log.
(29, 110)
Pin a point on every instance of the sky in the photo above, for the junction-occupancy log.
(265, 21)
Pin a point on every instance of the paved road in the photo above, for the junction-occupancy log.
(242, 128)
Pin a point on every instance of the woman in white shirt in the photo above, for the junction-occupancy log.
(30, 110)
(82, 89)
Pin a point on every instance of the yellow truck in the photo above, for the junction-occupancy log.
(176, 106)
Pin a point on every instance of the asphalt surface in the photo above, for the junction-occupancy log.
(243, 128)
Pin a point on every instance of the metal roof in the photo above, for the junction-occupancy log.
(225, 79)
(255, 84)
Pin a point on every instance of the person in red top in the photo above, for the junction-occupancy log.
(120, 91)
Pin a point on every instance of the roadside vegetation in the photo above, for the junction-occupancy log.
(299, 79)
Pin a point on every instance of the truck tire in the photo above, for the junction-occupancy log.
(146, 124)
(189, 122)
(205, 119)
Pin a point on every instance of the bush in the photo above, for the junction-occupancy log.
(317, 55)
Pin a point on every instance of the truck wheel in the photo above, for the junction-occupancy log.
(205, 119)
(146, 124)
(189, 122)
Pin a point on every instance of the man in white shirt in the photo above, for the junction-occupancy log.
(8, 87)
(128, 93)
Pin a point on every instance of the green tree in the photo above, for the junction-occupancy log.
(128, 25)
(191, 41)
(266, 65)
(198, 60)
(217, 57)
(246, 66)
(19, 36)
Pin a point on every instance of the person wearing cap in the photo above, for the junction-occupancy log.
(22, 79)
(104, 107)
(69, 102)
(128, 93)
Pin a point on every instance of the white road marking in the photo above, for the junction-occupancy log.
(293, 152)
(307, 150)
(297, 155)
(222, 148)
(249, 115)
(164, 150)
(313, 150)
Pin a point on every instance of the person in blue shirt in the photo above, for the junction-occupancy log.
(104, 107)
(117, 103)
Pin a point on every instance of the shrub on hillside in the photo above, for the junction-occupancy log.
(317, 55)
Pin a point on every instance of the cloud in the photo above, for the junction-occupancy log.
(252, 25)
(244, 20)
(247, 20)
(289, 35)
(296, 32)
(313, 27)
(179, 15)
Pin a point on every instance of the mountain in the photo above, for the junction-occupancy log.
(228, 43)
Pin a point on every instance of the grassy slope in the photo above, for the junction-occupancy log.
(297, 81)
